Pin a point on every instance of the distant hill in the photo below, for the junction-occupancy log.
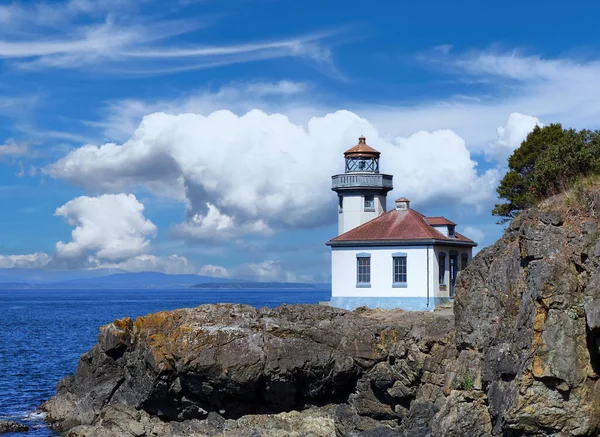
(255, 285)
(137, 281)
(40, 276)
(108, 279)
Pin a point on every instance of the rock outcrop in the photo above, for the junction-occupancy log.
(519, 357)
(220, 369)
(527, 323)
(7, 426)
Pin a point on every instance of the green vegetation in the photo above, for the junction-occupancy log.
(467, 382)
(548, 162)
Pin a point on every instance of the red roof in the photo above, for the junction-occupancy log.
(362, 149)
(438, 221)
(399, 225)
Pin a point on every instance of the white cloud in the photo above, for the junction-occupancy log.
(474, 233)
(172, 265)
(511, 136)
(124, 116)
(258, 172)
(268, 270)
(283, 87)
(11, 149)
(36, 260)
(214, 271)
(77, 33)
(111, 227)
(214, 225)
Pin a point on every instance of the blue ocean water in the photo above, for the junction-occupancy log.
(43, 333)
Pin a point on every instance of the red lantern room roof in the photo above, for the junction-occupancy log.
(362, 150)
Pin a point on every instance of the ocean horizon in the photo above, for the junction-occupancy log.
(44, 332)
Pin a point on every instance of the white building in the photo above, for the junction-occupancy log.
(394, 259)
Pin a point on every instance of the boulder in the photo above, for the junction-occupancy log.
(7, 426)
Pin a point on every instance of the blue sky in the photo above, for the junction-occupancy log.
(201, 136)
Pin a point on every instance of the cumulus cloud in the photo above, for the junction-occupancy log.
(256, 173)
(511, 136)
(172, 265)
(36, 260)
(111, 227)
(216, 225)
(268, 270)
(214, 271)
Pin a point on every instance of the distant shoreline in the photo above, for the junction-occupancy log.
(255, 286)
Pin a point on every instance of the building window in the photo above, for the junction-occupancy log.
(442, 267)
(340, 204)
(451, 231)
(464, 261)
(399, 272)
(369, 203)
(363, 270)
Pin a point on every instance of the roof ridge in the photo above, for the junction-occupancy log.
(427, 227)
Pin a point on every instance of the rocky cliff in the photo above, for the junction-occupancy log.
(520, 356)
(235, 370)
(528, 321)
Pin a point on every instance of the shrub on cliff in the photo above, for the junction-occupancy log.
(547, 162)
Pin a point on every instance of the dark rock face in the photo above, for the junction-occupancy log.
(527, 316)
(235, 361)
(7, 426)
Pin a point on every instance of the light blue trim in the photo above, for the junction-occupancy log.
(405, 303)
(363, 255)
(363, 285)
(399, 285)
(399, 255)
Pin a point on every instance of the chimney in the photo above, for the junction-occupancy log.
(402, 204)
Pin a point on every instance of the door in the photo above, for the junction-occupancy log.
(453, 272)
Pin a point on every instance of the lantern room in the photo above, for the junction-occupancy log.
(362, 158)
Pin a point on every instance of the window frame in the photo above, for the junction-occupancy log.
(398, 256)
(363, 272)
(442, 268)
(372, 203)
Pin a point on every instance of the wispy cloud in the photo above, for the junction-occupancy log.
(40, 37)
(11, 149)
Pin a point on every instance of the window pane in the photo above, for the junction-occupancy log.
(442, 268)
(400, 269)
(363, 270)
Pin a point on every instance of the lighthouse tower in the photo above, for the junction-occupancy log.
(361, 190)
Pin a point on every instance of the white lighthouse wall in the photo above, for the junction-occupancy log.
(353, 212)
(422, 291)
(346, 293)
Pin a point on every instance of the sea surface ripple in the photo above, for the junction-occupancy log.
(44, 332)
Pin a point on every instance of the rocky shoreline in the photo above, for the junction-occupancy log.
(7, 426)
(519, 356)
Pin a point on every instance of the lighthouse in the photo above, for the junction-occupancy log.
(361, 189)
(389, 259)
